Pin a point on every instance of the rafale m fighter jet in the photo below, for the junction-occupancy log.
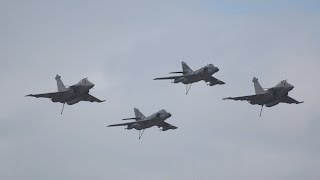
(142, 122)
(189, 76)
(71, 95)
(270, 97)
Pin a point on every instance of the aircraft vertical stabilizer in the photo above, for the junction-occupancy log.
(257, 86)
(60, 84)
(185, 68)
(138, 114)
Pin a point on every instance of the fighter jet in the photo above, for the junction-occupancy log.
(70, 95)
(269, 97)
(142, 122)
(189, 76)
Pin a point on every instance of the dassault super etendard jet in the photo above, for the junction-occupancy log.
(189, 76)
(70, 95)
(270, 97)
(142, 122)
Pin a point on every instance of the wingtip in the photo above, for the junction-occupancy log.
(226, 98)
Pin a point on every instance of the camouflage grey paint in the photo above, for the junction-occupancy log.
(189, 76)
(270, 97)
(141, 122)
(71, 95)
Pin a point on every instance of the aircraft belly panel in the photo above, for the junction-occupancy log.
(145, 126)
(64, 97)
(261, 100)
(194, 79)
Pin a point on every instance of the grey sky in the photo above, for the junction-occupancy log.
(121, 46)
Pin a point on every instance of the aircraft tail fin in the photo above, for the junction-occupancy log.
(185, 68)
(60, 84)
(257, 86)
(138, 114)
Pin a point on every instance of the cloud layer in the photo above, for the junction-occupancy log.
(121, 46)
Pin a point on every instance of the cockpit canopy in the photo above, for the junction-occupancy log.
(85, 82)
(284, 84)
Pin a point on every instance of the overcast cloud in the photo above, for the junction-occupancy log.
(121, 46)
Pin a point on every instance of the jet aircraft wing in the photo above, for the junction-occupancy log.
(290, 100)
(247, 98)
(166, 126)
(91, 98)
(49, 95)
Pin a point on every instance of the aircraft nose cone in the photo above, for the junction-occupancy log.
(91, 86)
(169, 115)
(217, 69)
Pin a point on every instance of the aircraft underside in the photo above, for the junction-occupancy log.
(189, 80)
(70, 99)
(268, 101)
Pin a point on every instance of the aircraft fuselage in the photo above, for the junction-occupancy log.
(150, 121)
(274, 96)
(198, 75)
(74, 94)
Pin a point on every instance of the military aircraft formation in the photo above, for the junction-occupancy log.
(80, 92)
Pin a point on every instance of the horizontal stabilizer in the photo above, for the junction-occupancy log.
(227, 98)
(164, 78)
(171, 77)
(122, 124)
(177, 72)
(129, 119)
